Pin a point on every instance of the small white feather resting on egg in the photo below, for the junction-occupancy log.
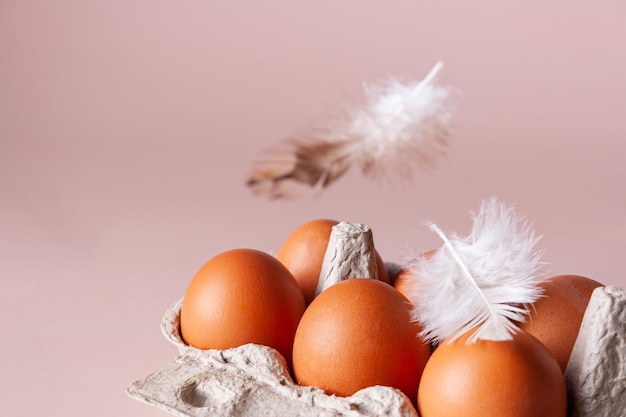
(400, 126)
(487, 279)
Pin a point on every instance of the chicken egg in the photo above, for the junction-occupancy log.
(556, 317)
(406, 278)
(303, 254)
(242, 296)
(359, 333)
(512, 378)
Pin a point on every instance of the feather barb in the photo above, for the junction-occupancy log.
(486, 280)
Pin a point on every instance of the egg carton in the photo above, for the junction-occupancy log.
(250, 380)
(253, 380)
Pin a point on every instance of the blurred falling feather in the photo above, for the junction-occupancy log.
(486, 279)
(400, 126)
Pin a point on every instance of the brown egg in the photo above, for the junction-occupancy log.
(406, 277)
(555, 318)
(242, 296)
(356, 334)
(517, 378)
(404, 282)
(303, 254)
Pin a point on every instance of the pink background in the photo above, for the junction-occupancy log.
(127, 128)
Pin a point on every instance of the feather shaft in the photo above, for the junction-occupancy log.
(462, 265)
(430, 77)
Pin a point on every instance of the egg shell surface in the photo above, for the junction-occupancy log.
(556, 317)
(515, 378)
(242, 296)
(356, 334)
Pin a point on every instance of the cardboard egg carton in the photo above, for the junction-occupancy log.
(596, 371)
(253, 380)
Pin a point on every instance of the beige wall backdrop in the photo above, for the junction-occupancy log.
(127, 129)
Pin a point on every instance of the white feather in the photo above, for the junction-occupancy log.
(400, 126)
(486, 279)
